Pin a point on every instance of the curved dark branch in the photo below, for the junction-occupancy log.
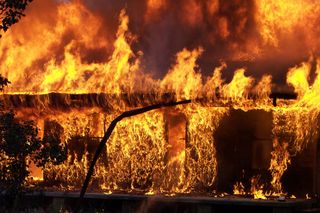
(111, 128)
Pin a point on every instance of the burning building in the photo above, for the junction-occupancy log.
(250, 69)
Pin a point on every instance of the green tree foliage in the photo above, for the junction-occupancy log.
(20, 145)
(11, 11)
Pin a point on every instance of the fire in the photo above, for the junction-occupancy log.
(46, 37)
(87, 78)
(201, 152)
(239, 87)
(238, 189)
(71, 73)
(186, 84)
(257, 188)
(166, 151)
(282, 17)
(298, 78)
(279, 164)
(263, 89)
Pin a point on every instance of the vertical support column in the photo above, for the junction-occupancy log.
(176, 133)
(187, 144)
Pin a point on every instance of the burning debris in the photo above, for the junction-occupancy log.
(171, 151)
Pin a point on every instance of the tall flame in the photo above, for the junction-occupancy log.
(182, 79)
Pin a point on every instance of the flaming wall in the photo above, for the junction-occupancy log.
(202, 148)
